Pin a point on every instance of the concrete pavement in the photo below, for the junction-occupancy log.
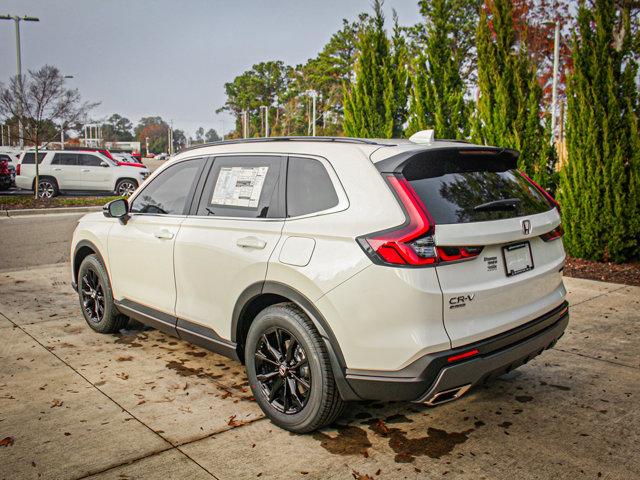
(141, 404)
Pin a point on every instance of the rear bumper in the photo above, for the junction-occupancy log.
(433, 379)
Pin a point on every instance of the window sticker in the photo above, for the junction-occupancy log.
(239, 186)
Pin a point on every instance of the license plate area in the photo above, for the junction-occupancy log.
(517, 258)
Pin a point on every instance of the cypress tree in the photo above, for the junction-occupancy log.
(508, 108)
(374, 103)
(437, 86)
(600, 185)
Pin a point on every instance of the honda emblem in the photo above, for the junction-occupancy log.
(526, 227)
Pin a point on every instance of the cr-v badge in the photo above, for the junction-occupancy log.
(526, 227)
(461, 301)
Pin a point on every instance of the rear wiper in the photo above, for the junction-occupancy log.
(505, 204)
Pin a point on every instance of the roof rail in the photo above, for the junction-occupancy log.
(363, 141)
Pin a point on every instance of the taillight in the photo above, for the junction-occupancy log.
(4, 167)
(411, 244)
(554, 234)
(551, 200)
(18, 169)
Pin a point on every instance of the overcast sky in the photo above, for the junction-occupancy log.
(171, 58)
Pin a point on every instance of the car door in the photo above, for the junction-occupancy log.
(141, 250)
(65, 169)
(225, 246)
(96, 172)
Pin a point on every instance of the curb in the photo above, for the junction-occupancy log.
(45, 211)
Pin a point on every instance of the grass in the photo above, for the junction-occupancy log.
(19, 202)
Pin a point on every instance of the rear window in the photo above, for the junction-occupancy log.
(309, 188)
(473, 188)
(29, 158)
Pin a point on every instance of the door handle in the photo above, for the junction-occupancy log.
(163, 234)
(86, 170)
(57, 169)
(251, 242)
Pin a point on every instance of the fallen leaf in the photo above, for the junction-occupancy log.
(56, 403)
(360, 476)
(7, 441)
(122, 375)
(233, 422)
(141, 402)
(126, 358)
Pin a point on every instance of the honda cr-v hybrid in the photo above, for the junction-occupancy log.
(335, 269)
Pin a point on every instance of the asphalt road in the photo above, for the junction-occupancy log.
(36, 240)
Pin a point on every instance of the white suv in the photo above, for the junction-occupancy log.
(335, 269)
(73, 170)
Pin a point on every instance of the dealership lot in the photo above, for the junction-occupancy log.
(74, 404)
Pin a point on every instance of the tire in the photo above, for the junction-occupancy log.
(93, 279)
(125, 187)
(288, 329)
(47, 187)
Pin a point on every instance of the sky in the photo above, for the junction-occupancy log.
(171, 58)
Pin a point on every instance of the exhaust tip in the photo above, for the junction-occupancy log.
(447, 395)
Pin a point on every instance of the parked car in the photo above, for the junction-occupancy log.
(7, 171)
(335, 269)
(162, 156)
(151, 155)
(72, 170)
(126, 159)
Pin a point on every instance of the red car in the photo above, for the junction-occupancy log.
(118, 160)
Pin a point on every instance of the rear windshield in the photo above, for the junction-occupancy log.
(473, 188)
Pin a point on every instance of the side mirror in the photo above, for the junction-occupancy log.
(118, 208)
(104, 164)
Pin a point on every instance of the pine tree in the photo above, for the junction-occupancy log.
(600, 186)
(373, 104)
(508, 107)
(438, 88)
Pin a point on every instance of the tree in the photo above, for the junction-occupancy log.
(438, 101)
(117, 129)
(371, 107)
(179, 140)
(600, 185)
(155, 129)
(264, 84)
(212, 136)
(199, 135)
(508, 109)
(43, 105)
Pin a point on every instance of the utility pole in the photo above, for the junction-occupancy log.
(554, 91)
(266, 119)
(244, 123)
(313, 94)
(17, 21)
(147, 144)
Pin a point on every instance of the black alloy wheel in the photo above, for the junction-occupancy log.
(282, 370)
(92, 293)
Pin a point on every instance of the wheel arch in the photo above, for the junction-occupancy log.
(83, 249)
(259, 296)
(119, 179)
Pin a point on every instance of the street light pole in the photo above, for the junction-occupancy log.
(17, 21)
(244, 123)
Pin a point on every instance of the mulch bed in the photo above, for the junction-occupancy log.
(626, 273)
(20, 202)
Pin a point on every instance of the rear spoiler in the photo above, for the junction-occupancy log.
(435, 159)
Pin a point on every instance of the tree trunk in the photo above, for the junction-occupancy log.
(37, 181)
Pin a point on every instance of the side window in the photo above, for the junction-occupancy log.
(242, 186)
(65, 159)
(29, 158)
(168, 193)
(309, 187)
(88, 160)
